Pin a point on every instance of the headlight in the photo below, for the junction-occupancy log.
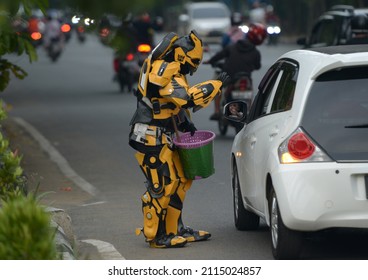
(273, 30)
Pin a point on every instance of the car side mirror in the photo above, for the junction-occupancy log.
(236, 111)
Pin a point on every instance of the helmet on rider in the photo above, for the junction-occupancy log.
(236, 19)
(257, 33)
(188, 50)
(359, 24)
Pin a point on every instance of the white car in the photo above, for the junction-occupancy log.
(301, 160)
(209, 19)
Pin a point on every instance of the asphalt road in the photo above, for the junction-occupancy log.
(78, 109)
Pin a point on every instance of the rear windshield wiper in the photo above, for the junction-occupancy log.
(357, 126)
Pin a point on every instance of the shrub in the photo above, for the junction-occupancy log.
(25, 232)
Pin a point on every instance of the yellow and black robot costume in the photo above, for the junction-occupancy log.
(164, 99)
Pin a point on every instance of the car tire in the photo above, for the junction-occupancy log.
(286, 243)
(244, 219)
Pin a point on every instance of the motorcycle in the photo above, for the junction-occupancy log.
(54, 48)
(81, 33)
(127, 67)
(273, 31)
(239, 88)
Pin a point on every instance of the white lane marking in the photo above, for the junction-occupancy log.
(106, 250)
(56, 157)
(93, 203)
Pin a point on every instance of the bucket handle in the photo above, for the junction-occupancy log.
(176, 128)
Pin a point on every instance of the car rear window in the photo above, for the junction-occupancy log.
(336, 113)
(209, 12)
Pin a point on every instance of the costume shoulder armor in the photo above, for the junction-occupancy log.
(162, 72)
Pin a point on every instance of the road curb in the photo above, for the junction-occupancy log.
(64, 236)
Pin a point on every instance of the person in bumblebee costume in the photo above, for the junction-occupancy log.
(164, 99)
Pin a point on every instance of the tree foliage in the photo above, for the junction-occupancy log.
(96, 8)
(12, 41)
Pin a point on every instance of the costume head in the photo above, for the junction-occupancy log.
(188, 50)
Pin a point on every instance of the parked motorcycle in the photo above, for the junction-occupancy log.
(127, 66)
(239, 88)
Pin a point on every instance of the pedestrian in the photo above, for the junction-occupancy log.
(164, 100)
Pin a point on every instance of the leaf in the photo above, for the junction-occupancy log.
(30, 50)
(19, 72)
(42, 4)
(4, 79)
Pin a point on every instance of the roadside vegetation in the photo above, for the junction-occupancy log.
(25, 231)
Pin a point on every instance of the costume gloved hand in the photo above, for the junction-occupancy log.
(202, 94)
(188, 127)
(224, 78)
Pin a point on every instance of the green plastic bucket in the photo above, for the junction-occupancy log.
(196, 154)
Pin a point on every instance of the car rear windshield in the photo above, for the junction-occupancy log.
(209, 12)
(336, 113)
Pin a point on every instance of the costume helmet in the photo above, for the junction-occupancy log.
(189, 50)
(257, 33)
(359, 24)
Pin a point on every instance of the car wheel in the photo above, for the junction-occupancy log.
(286, 243)
(244, 219)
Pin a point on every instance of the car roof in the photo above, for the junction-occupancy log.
(205, 4)
(314, 61)
(341, 49)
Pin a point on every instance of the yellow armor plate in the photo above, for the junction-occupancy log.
(162, 72)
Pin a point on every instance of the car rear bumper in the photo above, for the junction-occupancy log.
(315, 196)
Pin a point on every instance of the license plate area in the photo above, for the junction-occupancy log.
(246, 94)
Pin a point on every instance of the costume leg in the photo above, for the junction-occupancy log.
(161, 184)
(174, 223)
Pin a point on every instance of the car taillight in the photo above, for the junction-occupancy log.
(80, 29)
(298, 147)
(36, 36)
(144, 48)
(129, 57)
(243, 83)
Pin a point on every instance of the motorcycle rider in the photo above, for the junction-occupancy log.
(235, 33)
(123, 43)
(242, 56)
(164, 99)
(144, 29)
(52, 31)
(53, 38)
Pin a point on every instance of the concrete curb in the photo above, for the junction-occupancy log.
(64, 237)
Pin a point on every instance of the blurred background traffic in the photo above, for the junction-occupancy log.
(287, 20)
(131, 29)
